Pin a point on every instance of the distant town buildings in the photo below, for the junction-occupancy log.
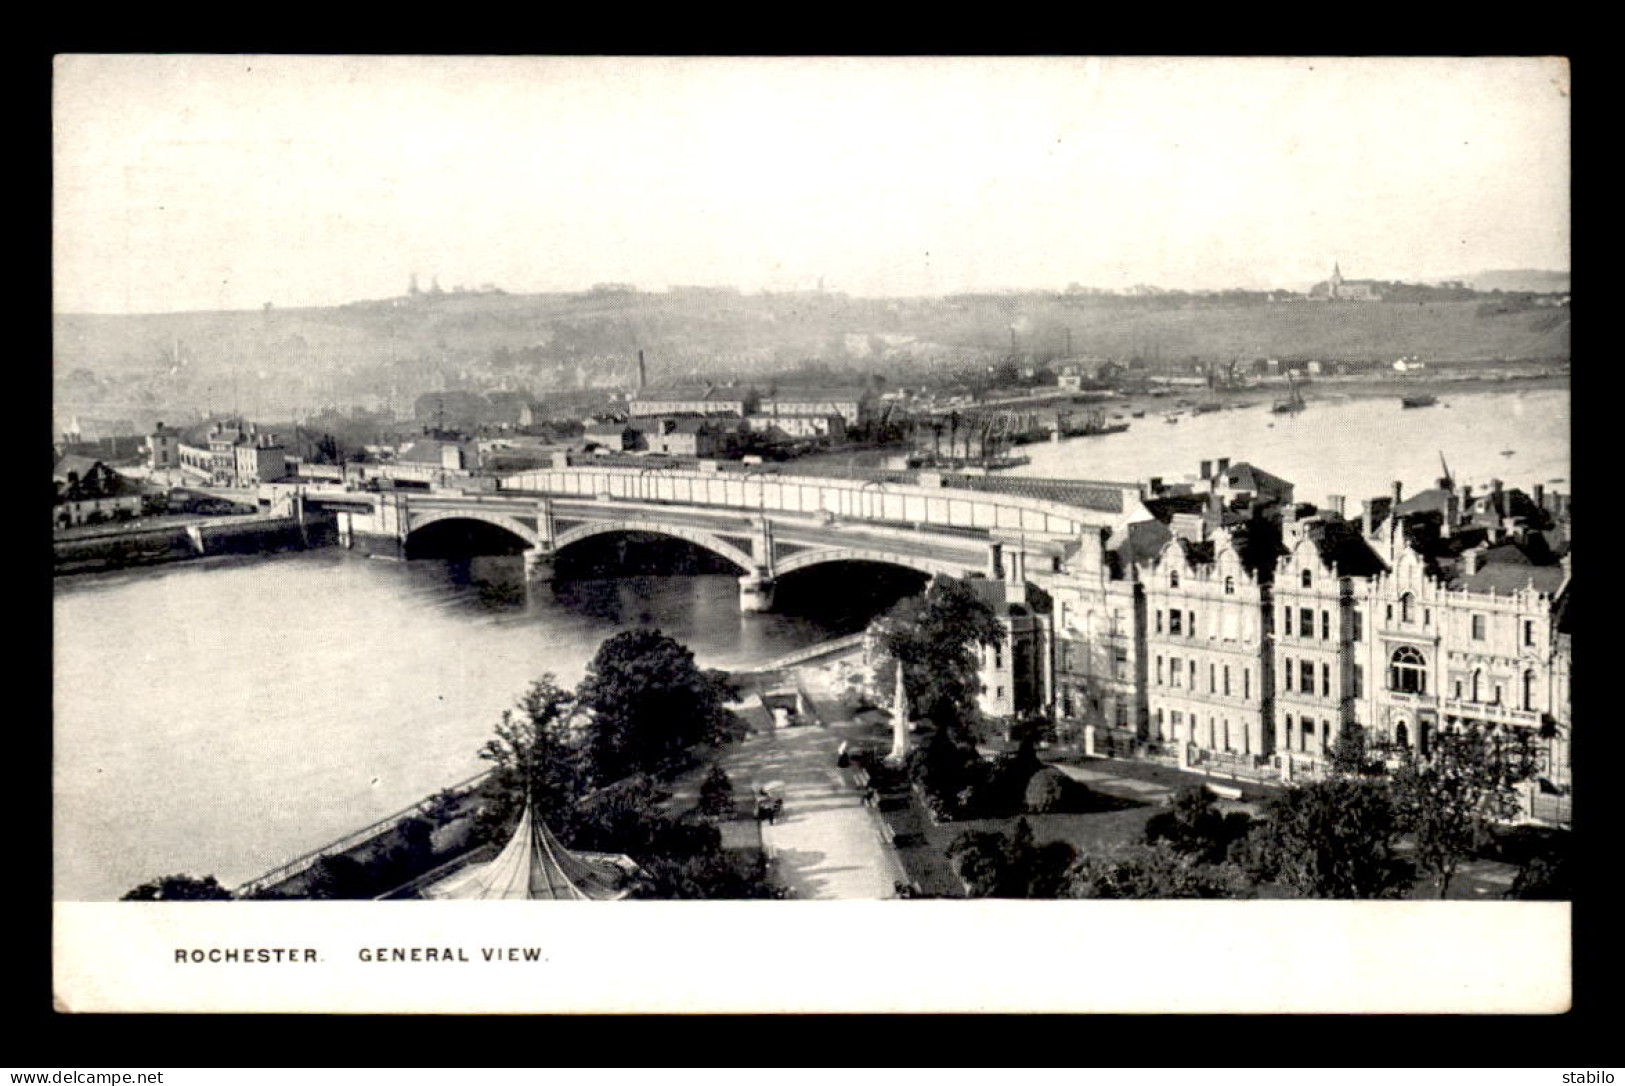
(88, 492)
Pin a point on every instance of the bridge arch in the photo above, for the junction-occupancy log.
(508, 524)
(825, 555)
(713, 543)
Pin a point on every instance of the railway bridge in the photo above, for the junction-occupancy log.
(771, 524)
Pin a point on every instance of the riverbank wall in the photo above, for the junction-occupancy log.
(162, 545)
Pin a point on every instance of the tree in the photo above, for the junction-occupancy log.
(179, 888)
(534, 758)
(1330, 839)
(936, 637)
(992, 864)
(1449, 799)
(717, 794)
(649, 702)
(1195, 826)
(1350, 756)
(1156, 871)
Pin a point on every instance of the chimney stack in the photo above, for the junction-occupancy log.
(1207, 469)
(1224, 465)
(1334, 502)
(1365, 517)
(995, 561)
(1156, 485)
(643, 375)
(1495, 486)
(1399, 496)
(1540, 488)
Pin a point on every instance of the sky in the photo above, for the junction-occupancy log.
(215, 182)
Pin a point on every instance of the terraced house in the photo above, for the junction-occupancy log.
(1241, 632)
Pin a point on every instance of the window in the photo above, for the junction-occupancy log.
(1402, 734)
(1478, 627)
(1307, 735)
(998, 656)
(1227, 680)
(1190, 623)
(1528, 631)
(1162, 730)
(1246, 682)
(1306, 677)
(1000, 694)
(1325, 626)
(1229, 586)
(1286, 620)
(1227, 734)
(1528, 690)
(1159, 671)
(1308, 579)
(1192, 665)
(1497, 700)
(1325, 681)
(1405, 603)
(1357, 682)
(1390, 612)
(1159, 620)
(1357, 633)
(1178, 722)
(1176, 622)
(1286, 676)
(1478, 684)
(1325, 736)
(1173, 578)
(1306, 622)
(1119, 662)
(1458, 689)
(1407, 671)
(1173, 672)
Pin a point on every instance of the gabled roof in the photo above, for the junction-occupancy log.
(1244, 476)
(1505, 579)
(1342, 547)
(78, 465)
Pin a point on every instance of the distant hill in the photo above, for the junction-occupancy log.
(381, 357)
(1520, 280)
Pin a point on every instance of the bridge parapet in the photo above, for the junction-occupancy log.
(945, 507)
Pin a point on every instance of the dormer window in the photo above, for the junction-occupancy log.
(1308, 579)
(1229, 586)
(1405, 603)
(1173, 578)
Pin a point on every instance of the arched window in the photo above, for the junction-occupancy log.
(1308, 579)
(1402, 734)
(1407, 671)
(1529, 691)
(1405, 602)
(1478, 685)
(1173, 578)
(1229, 586)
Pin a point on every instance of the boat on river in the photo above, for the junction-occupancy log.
(1419, 401)
(1294, 401)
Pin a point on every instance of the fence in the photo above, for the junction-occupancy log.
(306, 861)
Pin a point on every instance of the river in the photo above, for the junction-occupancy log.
(222, 716)
(1353, 447)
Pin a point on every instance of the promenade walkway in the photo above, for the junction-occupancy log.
(826, 843)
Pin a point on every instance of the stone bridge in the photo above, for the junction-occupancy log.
(768, 524)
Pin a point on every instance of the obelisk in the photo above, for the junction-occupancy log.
(899, 722)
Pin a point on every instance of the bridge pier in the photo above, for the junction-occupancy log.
(756, 592)
(538, 566)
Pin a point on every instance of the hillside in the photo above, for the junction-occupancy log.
(382, 356)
